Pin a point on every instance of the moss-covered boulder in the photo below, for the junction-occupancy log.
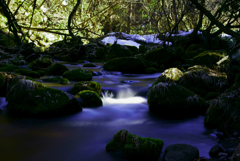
(179, 54)
(224, 112)
(169, 75)
(31, 98)
(64, 81)
(89, 98)
(135, 147)
(174, 101)
(233, 69)
(193, 47)
(2, 79)
(9, 68)
(56, 69)
(161, 56)
(86, 85)
(29, 73)
(78, 75)
(202, 80)
(40, 63)
(116, 51)
(133, 49)
(126, 65)
(89, 65)
(208, 58)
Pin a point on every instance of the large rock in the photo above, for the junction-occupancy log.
(116, 51)
(174, 101)
(31, 98)
(224, 112)
(180, 152)
(203, 80)
(135, 147)
(169, 75)
(126, 65)
(161, 56)
(29, 73)
(233, 70)
(86, 85)
(56, 69)
(89, 98)
(78, 75)
(208, 58)
(41, 63)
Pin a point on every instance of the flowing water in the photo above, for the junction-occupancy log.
(84, 135)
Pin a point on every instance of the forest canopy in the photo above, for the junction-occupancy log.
(34, 20)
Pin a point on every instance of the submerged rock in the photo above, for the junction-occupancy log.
(174, 101)
(180, 152)
(31, 98)
(135, 147)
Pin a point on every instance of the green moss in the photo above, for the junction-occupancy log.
(169, 75)
(89, 65)
(9, 68)
(41, 72)
(179, 54)
(78, 75)
(34, 99)
(80, 61)
(133, 49)
(56, 69)
(89, 98)
(160, 56)
(52, 79)
(202, 80)
(208, 58)
(86, 85)
(116, 51)
(174, 101)
(135, 147)
(193, 47)
(29, 73)
(126, 65)
(224, 112)
(150, 70)
(42, 62)
(143, 48)
(64, 81)
(192, 54)
(2, 80)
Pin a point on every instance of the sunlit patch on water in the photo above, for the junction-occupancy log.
(124, 96)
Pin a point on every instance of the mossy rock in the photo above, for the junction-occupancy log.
(86, 85)
(233, 69)
(52, 79)
(64, 81)
(100, 53)
(9, 68)
(41, 72)
(143, 48)
(56, 69)
(208, 58)
(160, 56)
(133, 49)
(179, 54)
(193, 47)
(81, 61)
(224, 112)
(89, 65)
(169, 75)
(126, 65)
(173, 101)
(31, 98)
(40, 63)
(29, 73)
(192, 54)
(89, 98)
(78, 75)
(2, 80)
(116, 51)
(150, 70)
(135, 147)
(202, 80)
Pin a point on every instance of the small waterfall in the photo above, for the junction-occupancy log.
(124, 96)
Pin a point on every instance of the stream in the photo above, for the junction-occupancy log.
(83, 136)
